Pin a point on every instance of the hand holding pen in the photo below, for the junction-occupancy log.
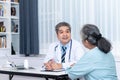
(52, 65)
(48, 65)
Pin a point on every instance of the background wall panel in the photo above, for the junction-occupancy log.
(103, 13)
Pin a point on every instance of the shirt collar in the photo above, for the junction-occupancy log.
(67, 45)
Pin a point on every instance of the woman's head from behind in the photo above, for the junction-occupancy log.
(92, 37)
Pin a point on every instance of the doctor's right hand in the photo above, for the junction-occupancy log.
(48, 65)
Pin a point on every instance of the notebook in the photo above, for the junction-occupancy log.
(57, 70)
(21, 67)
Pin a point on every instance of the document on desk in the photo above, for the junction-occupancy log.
(21, 67)
(57, 70)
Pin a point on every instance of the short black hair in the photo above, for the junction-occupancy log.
(62, 24)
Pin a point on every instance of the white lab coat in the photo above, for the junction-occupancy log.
(73, 54)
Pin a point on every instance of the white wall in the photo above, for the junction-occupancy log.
(104, 13)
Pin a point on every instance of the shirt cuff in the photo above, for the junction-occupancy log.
(67, 65)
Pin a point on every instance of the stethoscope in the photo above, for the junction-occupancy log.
(69, 50)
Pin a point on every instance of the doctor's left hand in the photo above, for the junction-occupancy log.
(56, 66)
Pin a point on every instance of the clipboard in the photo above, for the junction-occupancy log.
(57, 70)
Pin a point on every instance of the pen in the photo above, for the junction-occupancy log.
(12, 64)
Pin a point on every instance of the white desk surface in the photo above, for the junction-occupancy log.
(34, 71)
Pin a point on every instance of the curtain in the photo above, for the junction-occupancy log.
(29, 42)
(103, 13)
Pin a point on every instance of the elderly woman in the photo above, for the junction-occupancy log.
(98, 63)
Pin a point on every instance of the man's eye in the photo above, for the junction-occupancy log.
(67, 31)
(60, 32)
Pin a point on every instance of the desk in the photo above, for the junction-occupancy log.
(34, 73)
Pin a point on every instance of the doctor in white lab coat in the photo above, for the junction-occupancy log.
(74, 49)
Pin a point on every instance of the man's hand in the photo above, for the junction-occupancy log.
(52, 65)
(48, 64)
(56, 66)
(72, 65)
